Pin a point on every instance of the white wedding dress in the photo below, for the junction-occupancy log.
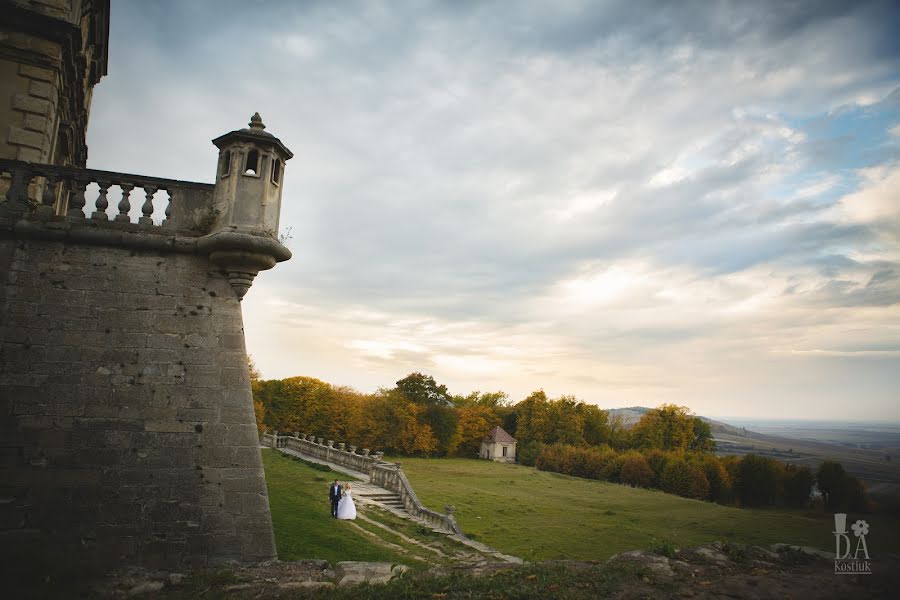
(346, 508)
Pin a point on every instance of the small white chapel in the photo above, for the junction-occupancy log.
(499, 446)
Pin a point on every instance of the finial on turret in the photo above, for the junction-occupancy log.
(256, 122)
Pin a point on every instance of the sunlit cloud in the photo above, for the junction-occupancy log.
(687, 204)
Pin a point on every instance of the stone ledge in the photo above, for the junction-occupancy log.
(240, 254)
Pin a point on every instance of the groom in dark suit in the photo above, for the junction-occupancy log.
(334, 494)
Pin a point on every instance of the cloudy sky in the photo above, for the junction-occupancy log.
(632, 202)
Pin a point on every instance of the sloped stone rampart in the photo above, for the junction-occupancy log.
(126, 420)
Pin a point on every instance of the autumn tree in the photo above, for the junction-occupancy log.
(259, 409)
(254, 372)
(595, 430)
(533, 419)
(566, 422)
(636, 471)
(618, 435)
(474, 423)
(491, 400)
(296, 404)
(397, 425)
(667, 427)
(685, 479)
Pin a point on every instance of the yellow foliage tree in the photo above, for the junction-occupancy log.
(474, 423)
(667, 427)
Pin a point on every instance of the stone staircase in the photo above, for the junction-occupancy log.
(367, 493)
(386, 499)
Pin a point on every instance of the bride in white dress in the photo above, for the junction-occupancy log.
(346, 509)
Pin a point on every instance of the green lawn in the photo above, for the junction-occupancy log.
(301, 516)
(544, 516)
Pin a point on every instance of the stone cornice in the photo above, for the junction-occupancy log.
(239, 254)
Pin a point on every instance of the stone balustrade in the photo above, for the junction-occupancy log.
(391, 477)
(95, 196)
(382, 473)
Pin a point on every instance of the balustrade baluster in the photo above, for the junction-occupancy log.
(168, 212)
(76, 199)
(102, 202)
(125, 203)
(17, 194)
(48, 197)
(147, 208)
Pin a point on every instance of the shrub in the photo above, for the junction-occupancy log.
(636, 471)
(798, 484)
(833, 483)
(679, 477)
(757, 480)
(857, 499)
(720, 486)
(612, 470)
(527, 453)
(657, 460)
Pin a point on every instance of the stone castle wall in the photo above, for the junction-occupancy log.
(52, 53)
(127, 432)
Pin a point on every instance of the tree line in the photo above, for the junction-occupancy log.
(668, 448)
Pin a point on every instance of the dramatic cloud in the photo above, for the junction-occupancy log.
(634, 203)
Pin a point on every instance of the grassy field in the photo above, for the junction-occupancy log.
(301, 516)
(542, 516)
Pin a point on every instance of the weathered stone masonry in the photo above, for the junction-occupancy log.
(127, 432)
(129, 428)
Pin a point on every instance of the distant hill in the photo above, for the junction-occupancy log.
(868, 463)
(632, 414)
(629, 416)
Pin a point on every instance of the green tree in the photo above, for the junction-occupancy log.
(424, 390)
(757, 481)
(618, 436)
(798, 482)
(596, 424)
(702, 439)
(832, 481)
(443, 422)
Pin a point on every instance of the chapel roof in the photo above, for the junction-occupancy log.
(498, 435)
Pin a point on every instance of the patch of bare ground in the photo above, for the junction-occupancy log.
(715, 570)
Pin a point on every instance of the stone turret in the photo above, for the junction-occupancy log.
(246, 204)
(249, 179)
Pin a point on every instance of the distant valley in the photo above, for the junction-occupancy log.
(870, 451)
